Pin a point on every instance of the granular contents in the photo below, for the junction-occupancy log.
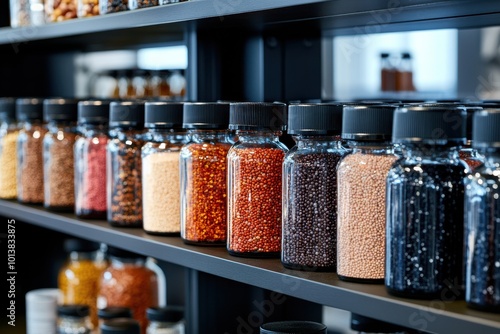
(205, 207)
(59, 171)
(472, 161)
(88, 8)
(425, 227)
(125, 194)
(63, 10)
(8, 165)
(112, 6)
(361, 215)
(255, 201)
(144, 3)
(161, 189)
(310, 223)
(30, 160)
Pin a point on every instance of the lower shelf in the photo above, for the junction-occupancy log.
(445, 315)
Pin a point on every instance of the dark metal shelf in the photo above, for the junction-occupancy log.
(440, 316)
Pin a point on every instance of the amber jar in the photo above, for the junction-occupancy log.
(9, 131)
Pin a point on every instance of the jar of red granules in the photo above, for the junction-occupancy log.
(254, 179)
(90, 159)
(203, 173)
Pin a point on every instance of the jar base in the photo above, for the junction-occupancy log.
(257, 255)
(204, 243)
(59, 208)
(20, 200)
(165, 234)
(89, 214)
(484, 308)
(423, 295)
(308, 268)
(361, 280)
(126, 225)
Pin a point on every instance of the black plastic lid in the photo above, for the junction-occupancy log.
(163, 114)
(406, 55)
(80, 245)
(384, 55)
(60, 109)
(7, 109)
(258, 115)
(364, 324)
(127, 114)
(439, 124)
(167, 314)
(93, 112)
(485, 131)
(367, 123)
(293, 327)
(120, 326)
(29, 108)
(114, 312)
(121, 253)
(206, 115)
(73, 310)
(315, 119)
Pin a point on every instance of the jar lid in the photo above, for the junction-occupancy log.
(7, 109)
(293, 327)
(258, 116)
(73, 310)
(315, 119)
(80, 245)
(485, 128)
(60, 109)
(127, 114)
(365, 324)
(206, 115)
(167, 314)
(367, 122)
(93, 111)
(114, 312)
(120, 326)
(437, 124)
(164, 114)
(122, 253)
(29, 108)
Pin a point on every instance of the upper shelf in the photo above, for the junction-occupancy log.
(163, 23)
(438, 316)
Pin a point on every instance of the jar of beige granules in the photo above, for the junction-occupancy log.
(9, 131)
(361, 179)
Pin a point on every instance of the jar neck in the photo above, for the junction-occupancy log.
(378, 147)
(208, 136)
(249, 136)
(174, 136)
(81, 256)
(122, 262)
(421, 151)
(54, 126)
(90, 130)
(326, 142)
(126, 133)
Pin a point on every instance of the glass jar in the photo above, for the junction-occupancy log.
(120, 326)
(112, 312)
(61, 10)
(160, 167)
(387, 73)
(73, 319)
(255, 179)
(90, 159)
(293, 327)
(88, 8)
(128, 282)
(203, 174)
(361, 192)
(113, 6)
(9, 132)
(138, 4)
(30, 150)
(58, 154)
(425, 204)
(79, 277)
(165, 320)
(124, 167)
(20, 13)
(482, 215)
(37, 12)
(310, 187)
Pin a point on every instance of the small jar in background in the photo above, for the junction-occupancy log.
(9, 132)
(37, 12)
(203, 173)
(113, 312)
(113, 6)
(255, 165)
(90, 159)
(58, 153)
(138, 4)
(164, 320)
(61, 10)
(120, 326)
(88, 8)
(73, 319)
(20, 13)
(124, 165)
(293, 327)
(30, 150)
(160, 167)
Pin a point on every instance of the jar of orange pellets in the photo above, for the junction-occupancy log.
(79, 276)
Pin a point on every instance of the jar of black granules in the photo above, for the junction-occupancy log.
(255, 174)
(361, 177)
(309, 235)
(425, 196)
(113, 6)
(124, 167)
(482, 212)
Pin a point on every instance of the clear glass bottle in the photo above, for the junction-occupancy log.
(129, 282)
(9, 132)
(30, 150)
(19, 13)
(404, 73)
(310, 187)
(90, 159)
(165, 320)
(88, 8)
(79, 277)
(425, 203)
(387, 73)
(73, 319)
(361, 192)
(120, 326)
(482, 216)
(58, 153)
(160, 167)
(203, 173)
(138, 4)
(61, 10)
(124, 165)
(113, 6)
(255, 179)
